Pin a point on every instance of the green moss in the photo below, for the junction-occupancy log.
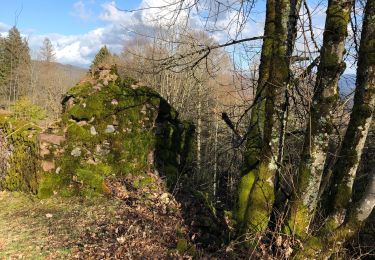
(311, 250)
(298, 222)
(51, 183)
(337, 21)
(79, 113)
(299, 218)
(114, 88)
(182, 246)
(244, 189)
(330, 225)
(81, 90)
(132, 112)
(364, 111)
(22, 173)
(97, 104)
(76, 133)
(91, 180)
(143, 182)
(128, 81)
(260, 201)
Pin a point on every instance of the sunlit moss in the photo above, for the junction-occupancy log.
(20, 141)
(131, 146)
(244, 189)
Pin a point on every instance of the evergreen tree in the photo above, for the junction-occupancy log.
(3, 69)
(15, 65)
(101, 57)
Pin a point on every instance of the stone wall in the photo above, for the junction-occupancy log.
(19, 164)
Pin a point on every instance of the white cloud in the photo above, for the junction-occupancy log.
(81, 11)
(4, 27)
(80, 49)
(113, 15)
(119, 26)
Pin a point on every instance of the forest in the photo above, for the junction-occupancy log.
(203, 138)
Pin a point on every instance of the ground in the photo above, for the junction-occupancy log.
(136, 221)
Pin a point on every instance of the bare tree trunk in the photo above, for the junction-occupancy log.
(199, 128)
(318, 132)
(215, 149)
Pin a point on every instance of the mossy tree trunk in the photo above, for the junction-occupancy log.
(328, 243)
(258, 185)
(339, 196)
(256, 129)
(318, 131)
(345, 216)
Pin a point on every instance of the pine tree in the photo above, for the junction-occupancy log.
(101, 57)
(3, 68)
(16, 61)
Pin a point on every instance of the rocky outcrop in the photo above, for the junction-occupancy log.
(110, 128)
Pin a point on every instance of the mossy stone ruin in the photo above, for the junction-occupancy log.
(19, 164)
(110, 127)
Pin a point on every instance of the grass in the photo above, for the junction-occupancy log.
(48, 229)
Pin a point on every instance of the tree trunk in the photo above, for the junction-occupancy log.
(199, 129)
(256, 129)
(318, 132)
(261, 196)
(344, 171)
(327, 244)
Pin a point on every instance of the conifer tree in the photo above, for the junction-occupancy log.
(101, 57)
(15, 65)
(2, 67)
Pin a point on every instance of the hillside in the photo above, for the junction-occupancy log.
(74, 70)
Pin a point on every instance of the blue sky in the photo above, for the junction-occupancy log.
(58, 16)
(46, 16)
(79, 28)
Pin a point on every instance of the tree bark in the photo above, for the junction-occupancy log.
(262, 194)
(317, 135)
(329, 243)
(256, 128)
(340, 192)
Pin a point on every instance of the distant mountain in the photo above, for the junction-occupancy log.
(347, 84)
(70, 69)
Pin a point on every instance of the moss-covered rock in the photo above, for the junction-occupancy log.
(112, 127)
(19, 163)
